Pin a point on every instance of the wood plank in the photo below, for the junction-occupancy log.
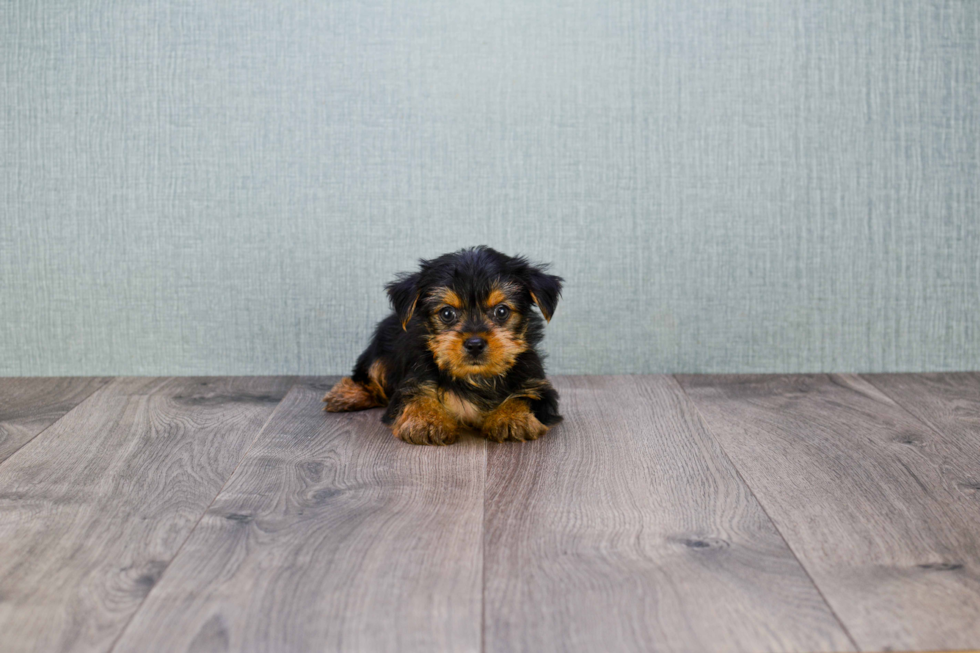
(627, 529)
(950, 404)
(332, 535)
(30, 405)
(866, 497)
(93, 509)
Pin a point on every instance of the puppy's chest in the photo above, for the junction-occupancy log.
(467, 411)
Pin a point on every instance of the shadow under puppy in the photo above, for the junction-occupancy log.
(458, 352)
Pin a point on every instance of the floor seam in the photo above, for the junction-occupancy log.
(49, 426)
(483, 550)
(932, 427)
(738, 472)
(170, 562)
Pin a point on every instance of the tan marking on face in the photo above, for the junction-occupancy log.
(495, 297)
(503, 348)
(448, 297)
(501, 292)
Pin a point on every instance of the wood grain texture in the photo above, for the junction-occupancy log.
(867, 497)
(30, 405)
(626, 528)
(950, 404)
(94, 508)
(331, 535)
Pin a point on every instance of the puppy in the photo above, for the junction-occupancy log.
(458, 352)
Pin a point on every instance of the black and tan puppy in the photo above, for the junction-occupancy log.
(458, 352)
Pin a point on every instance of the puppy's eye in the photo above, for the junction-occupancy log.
(501, 312)
(447, 314)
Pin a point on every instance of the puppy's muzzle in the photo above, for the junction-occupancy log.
(475, 346)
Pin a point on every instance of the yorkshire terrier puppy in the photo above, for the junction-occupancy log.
(458, 352)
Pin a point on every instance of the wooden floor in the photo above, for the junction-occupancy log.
(730, 513)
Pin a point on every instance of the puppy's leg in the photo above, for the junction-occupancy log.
(348, 394)
(512, 420)
(366, 389)
(418, 416)
(543, 400)
(525, 415)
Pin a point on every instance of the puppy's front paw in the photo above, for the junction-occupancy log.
(422, 433)
(514, 421)
(425, 423)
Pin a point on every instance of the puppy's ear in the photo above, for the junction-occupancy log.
(545, 290)
(404, 294)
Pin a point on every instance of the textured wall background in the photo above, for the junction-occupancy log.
(757, 185)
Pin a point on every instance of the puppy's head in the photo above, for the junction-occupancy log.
(474, 309)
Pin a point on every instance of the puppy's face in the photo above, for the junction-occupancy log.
(476, 331)
(475, 308)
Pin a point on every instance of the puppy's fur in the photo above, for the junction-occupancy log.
(458, 352)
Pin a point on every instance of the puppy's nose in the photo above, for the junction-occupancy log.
(475, 345)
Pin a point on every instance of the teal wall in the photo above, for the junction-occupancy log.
(750, 185)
